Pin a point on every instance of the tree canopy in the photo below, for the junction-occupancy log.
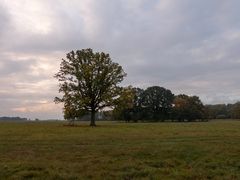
(188, 108)
(89, 82)
(157, 101)
(154, 103)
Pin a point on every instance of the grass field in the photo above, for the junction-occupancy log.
(49, 150)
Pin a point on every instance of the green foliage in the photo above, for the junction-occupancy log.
(154, 103)
(188, 108)
(49, 150)
(89, 82)
(123, 104)
(218, 111)
(157, 101)
(223, 111)
(235, 111)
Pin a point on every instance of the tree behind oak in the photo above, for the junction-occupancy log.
(89, 82)
(157, 102)
(188, 108)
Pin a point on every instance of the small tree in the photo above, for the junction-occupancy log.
(89, 82)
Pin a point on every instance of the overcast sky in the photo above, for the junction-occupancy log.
(187, 46)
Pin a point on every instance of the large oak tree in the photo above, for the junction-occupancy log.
(89, 82)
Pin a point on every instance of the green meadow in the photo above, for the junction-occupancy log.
(113, 150)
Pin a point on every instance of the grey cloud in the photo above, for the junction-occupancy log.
(187, 46)
(21, 88)
(4, 22)
(9, 67)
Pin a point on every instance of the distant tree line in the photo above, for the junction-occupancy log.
(160, 104)
(223, 111)
(5, 118)
(157, 104)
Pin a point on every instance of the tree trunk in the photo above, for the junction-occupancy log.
(93, 118)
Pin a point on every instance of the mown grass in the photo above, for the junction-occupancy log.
(49, 150)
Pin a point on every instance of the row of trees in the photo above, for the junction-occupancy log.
(90, 81)
(157, 104)
(223, 111)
